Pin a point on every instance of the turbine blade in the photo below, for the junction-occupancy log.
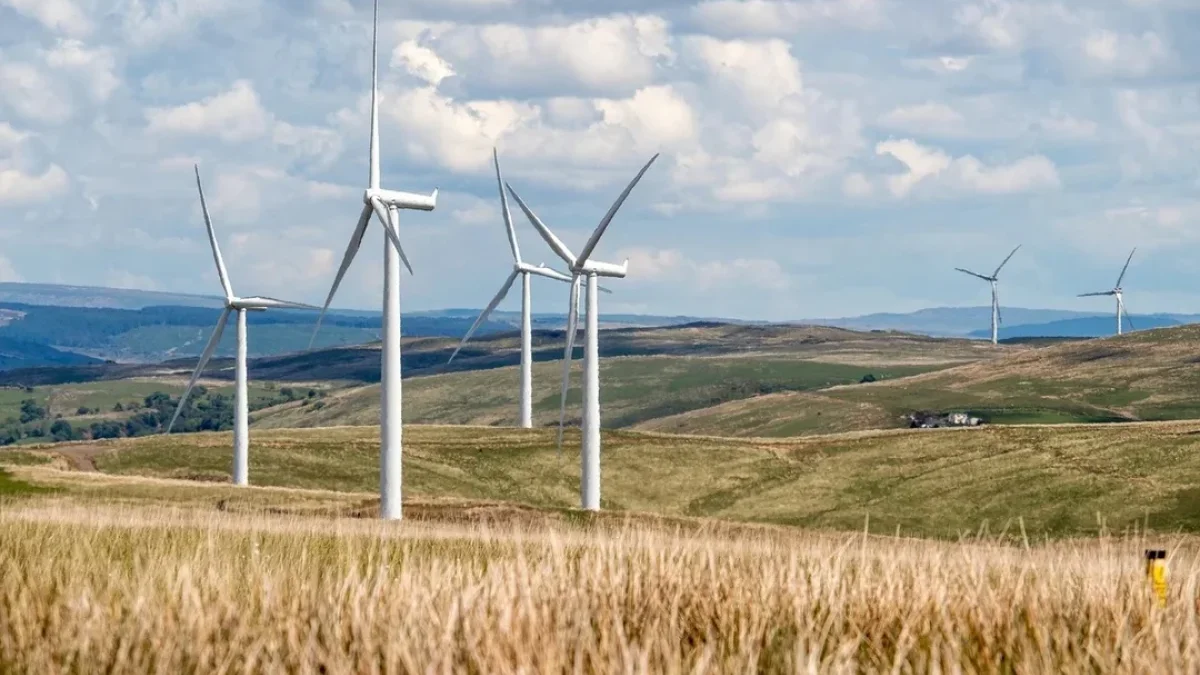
(612, 211)
(1127, 319)
(208, 352)
(1010, 255)
(508, 225)
(572, 328)
(486, 312)
(262, 302)
(212, 239)
(386, 221)
(373, 178)
(351, 250)
(1089, 295)
(549, 273)
(1126, 267)
(554, 242)
(980, 276)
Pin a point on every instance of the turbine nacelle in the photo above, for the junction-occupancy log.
(401, 200)
(602, 269)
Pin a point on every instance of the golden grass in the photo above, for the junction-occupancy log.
(119, 589)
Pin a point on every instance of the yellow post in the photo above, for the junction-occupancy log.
(1156, 571)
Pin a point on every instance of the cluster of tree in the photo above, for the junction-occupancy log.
(204, 411)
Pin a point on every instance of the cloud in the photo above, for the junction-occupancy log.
(94, 69)
(8, 273)
(120, 278)
(233, 116)
(931, 117)
(1112, 53)
(31, 94)
(783, 18)
(27, 174)
(61, 16)
(673, 267)
(937, 170)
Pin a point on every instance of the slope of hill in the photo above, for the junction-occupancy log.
(26, 354)
(1150, 375)
(929, 482)
(645, 373)
(1082, 327)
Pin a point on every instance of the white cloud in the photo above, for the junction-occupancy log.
(30, 94)
(930, 117)
(857, 185)
(169, 20)
(421, 62)
(235, 115)
(673, 267)
(19, 188)
(783, 18)
(94, 68)
(62, 16)
(934, 168)
(1109, 52)
(8, 273)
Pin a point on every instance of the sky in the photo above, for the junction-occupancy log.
(820, 158)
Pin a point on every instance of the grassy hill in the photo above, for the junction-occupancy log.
(645, 373)
(1057, 479)
(1147, 375)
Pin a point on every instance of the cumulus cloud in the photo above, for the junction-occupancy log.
(235, 115)
(940, 172)
(7, 271)
(783, 18)
(61, 16)
(27, 175)
(674, 267)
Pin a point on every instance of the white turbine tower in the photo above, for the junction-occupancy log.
(524, 270)
(386, 205)
(996, 319)
(241, 415)
(1120, 295)
(582, 265)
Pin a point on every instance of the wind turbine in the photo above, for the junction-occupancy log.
(1119, 293)
(524, 270)
(996, 319)
(386, 205)
(241, 414)
(583, 265)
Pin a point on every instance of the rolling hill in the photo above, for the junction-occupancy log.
(941, 483)
(1147, 375)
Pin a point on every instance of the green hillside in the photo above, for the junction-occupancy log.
(1057, 479)
(1147, 375)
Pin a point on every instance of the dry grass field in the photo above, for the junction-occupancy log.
(101, 588)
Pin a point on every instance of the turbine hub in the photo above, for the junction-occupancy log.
(402, 200)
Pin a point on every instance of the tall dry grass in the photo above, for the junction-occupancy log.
(122, 589)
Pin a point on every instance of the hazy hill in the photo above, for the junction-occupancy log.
(1082, 327)
(1146, 375)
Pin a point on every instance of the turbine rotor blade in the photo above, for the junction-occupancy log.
(572, 328)
(980, 276)
(547, 272)
(1010, 255)
(1126, 267)
(508, 225)
(351, 250)
(386, 220)
(204, 358)
(212, 239)
(554, 242)
(1089, 295)
(262, 302)
(1127, 319)
(612, 211)
(486, 312)
(373, 178)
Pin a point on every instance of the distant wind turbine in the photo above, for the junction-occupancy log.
(241, 415)
(524, 270)
(996, 319)
(386, 205)
(1119, 293)
(580, 266)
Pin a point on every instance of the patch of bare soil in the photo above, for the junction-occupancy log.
(79, 457)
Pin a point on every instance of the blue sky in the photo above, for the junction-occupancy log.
(820, 157)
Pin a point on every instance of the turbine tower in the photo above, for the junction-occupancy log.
(241, 406)
(386, 205)
(996, 319)
(583, 265)
(524, 270)
(1119, 293)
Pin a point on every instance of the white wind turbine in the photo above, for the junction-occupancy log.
(241, 415)
(582, 265)
(1120, 295)
(995, 298)
(524, 270)
(385, 204)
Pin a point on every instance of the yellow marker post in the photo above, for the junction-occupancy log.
(1156, 572)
